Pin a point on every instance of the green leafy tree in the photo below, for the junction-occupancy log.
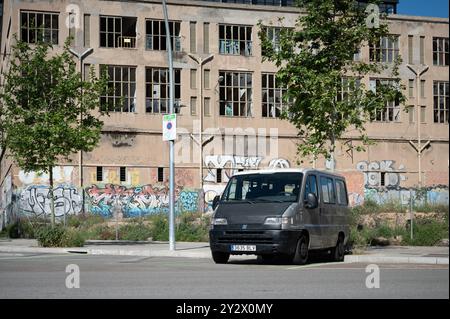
(326, 95)
(47, 111)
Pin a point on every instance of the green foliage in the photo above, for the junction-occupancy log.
(315, 61)
(135, 231)
(192, 227)
(72, 238)
(41, 103)
(50, 236)
(160, 227)
(427, 232)
(13, 230)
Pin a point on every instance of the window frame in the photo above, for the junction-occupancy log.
(386, 50)
(440, 51)
(439, 114)
(227, 39)
(39, 31)
(130, 101)
(175, 35)
(151, 85)
(228, 87)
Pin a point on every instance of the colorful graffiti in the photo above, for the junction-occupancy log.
(381, 173)
(35, 199)
(139, 201)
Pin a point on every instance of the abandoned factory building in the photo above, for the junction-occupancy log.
(224, 90)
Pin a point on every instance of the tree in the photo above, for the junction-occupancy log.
(47, 110)
(325, 93)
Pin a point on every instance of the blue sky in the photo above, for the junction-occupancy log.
(430, 8)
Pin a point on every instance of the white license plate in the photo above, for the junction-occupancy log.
(243, 247)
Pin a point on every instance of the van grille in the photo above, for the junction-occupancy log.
(245, 237)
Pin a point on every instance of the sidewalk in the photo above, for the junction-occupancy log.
(387, 254)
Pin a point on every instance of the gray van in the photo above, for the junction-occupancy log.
(284, 212)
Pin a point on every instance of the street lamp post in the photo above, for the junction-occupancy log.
(418, 71)
(80, 57)
(171, 142)
(201, 61)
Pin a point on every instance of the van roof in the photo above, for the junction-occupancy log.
(284, 170)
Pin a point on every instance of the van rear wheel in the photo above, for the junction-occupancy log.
(301, 251)
(220, 257)
(338, 252)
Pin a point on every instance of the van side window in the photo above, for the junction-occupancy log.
(310, 186)
(327, 190)
(341, 192)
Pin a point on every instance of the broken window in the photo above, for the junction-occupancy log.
(121, 95)
(156, 35)
(272, 96)
(117, 32)
(235, 39)
(157, 90)
(391, 112)
(39, 26)
(235, 93)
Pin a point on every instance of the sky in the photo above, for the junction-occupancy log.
(431, 8)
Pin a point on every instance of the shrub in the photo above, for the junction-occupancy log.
(50, 236)
(135, 231)
(13, 230)
(72, 238)
(101, 232)
(427, 232)
(160, 227)
(27, 229)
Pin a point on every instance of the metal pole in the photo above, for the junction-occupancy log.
(411, 214)
(171, 143)
(419, 141)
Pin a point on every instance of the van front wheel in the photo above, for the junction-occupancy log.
(220, 257)
(301, 252)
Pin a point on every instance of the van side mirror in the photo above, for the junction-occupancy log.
(215, 202)
(311, 201)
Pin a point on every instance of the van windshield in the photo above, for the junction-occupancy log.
(274, 187)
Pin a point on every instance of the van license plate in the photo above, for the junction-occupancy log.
(243, 247)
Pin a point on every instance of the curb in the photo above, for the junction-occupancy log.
(203, 254)
(396, 260)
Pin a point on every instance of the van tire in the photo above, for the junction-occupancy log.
(220, 257)
(338, 252)
(301, 251)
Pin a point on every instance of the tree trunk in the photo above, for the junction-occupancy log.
(52, 200)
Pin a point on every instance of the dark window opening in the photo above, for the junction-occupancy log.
(123, 174)
(160, 174)
(383, 179)
(157, 90)
(99, 173)
(121, 95)
(117, 32)
(219, 175)
(156, 35)
(39, 26)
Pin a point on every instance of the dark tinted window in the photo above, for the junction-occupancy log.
(276, 187)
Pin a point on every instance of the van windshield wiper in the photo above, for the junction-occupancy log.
(239, 201)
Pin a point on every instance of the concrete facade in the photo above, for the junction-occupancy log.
(388, 169)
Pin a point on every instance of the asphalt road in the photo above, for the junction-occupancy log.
(44, 276)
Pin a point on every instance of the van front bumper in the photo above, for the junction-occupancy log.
(266, 241)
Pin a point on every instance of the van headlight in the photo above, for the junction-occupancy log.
(219, 221)
(276, 220)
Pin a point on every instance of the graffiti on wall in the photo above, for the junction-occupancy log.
(430, 195)
(139, 200)
(35, 199)
(230, 164)
(381, 173)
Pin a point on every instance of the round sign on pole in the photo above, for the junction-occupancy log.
(169, 127)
